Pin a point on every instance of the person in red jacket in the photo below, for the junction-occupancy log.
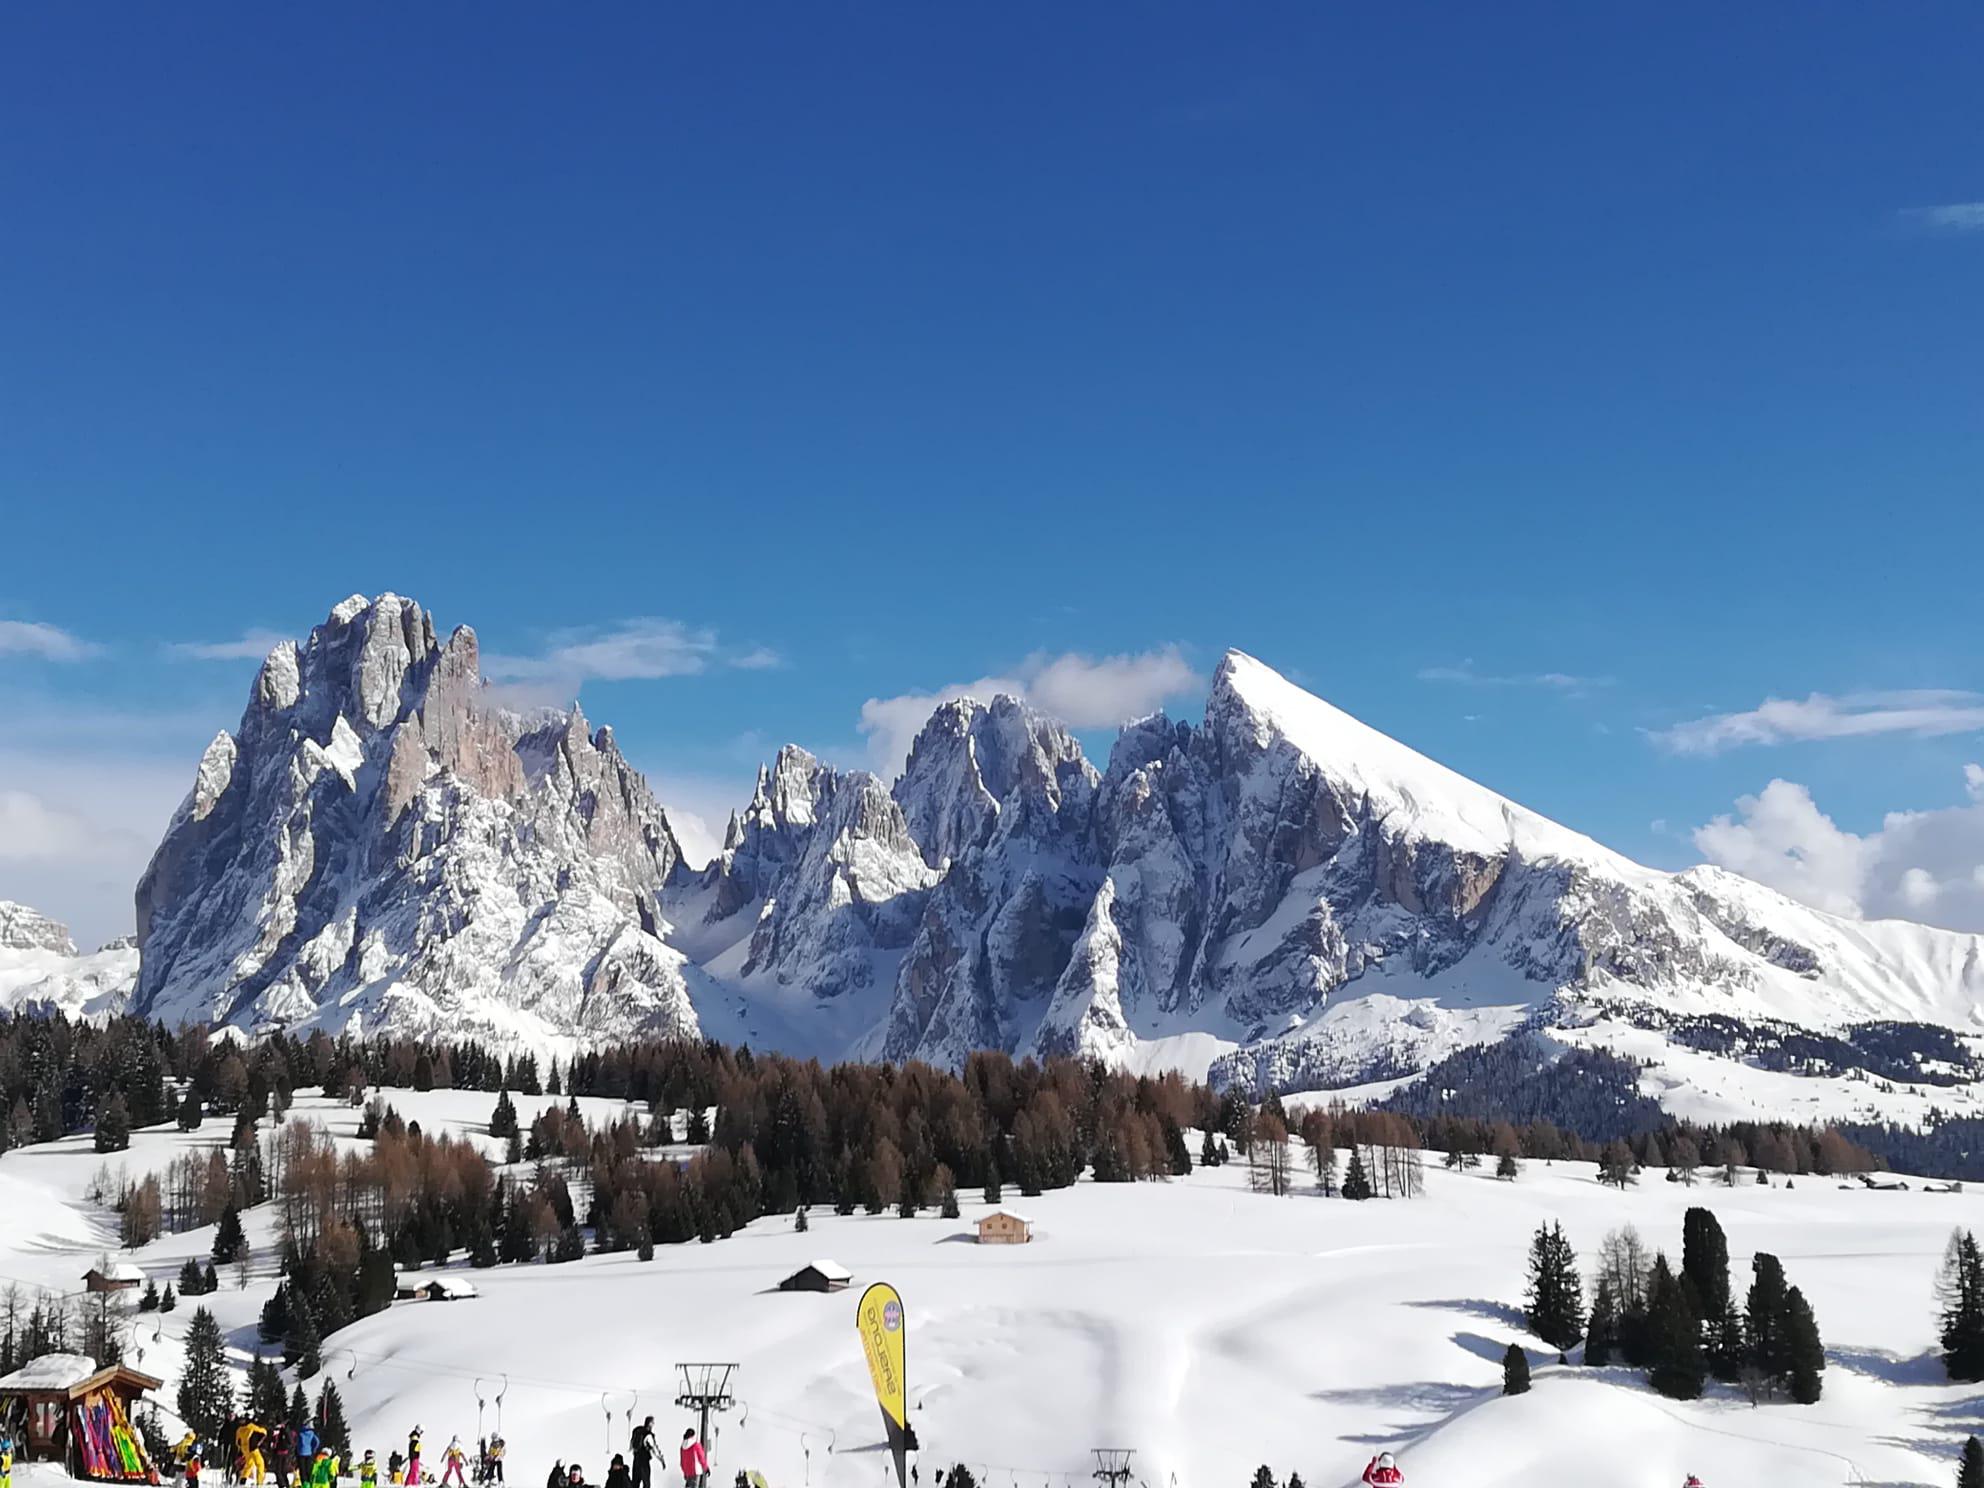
(1383, 1468)
(695, 1462)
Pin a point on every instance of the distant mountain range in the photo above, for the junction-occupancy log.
(1277, 895)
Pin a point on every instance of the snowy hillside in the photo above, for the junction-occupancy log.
(1209, 1328)
(41, 969)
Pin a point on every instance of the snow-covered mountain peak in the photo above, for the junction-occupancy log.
(377, 845)
(971, 759)
(24, 929)
(1251, 705)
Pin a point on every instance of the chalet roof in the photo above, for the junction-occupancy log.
(1006, 1214)
(449, 1286)
(832, 1270)
(50, 1372)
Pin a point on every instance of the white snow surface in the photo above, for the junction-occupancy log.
(1207, 1327)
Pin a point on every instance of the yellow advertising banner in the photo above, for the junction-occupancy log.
(880, 1320)
(882, 1325)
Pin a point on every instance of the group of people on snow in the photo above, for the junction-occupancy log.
(260, 1455)
(641, 1446)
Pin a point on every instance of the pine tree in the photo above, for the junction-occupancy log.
(230, 1245)
(513, 1149)
(1263, 1477)
(167, 1300)
(1601, 1337)
(210, 1280)
(302, 1345)
(1678, 1370)
(1515, 1371)
(994, 1192)
(299, 1409)
(1971, 1474)
(1356, 1182)
(958, 1477)
(1507, 1166)
(503, 1120)
(1616, 1166)
(1768, 1352)
(1177, 1155)
(1555, 1310)
(331, 1423)
(113, 1124)
(1960, 1291)
(205, 1397)
(1705, 1273)
(192, 1281)
(1208, 1154)
(265, 1391)
(1805, 1354)
(799, 1221)
(149, 1302)
(948, 1205)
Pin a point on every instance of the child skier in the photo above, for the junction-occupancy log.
(368, 1470)
(193, 1468)
(695, 1462)
(396, 1468)
(453, 1460)
(1383, 1469)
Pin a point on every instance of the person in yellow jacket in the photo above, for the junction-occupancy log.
(6, 1458)
(184, 1448)
(248, 1441)
(368, 1471)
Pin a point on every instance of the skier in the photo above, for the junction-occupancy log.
(6, 1458)
(496, 1451)
(695, 1462)
(307, 1442)
(396, 1468)
(1383, 1468)
(643, 1445)
(368, 1470)
(1693, 1482)
(193, 1469)
(323, 1471)
(281, 1455)
(557, 1478)
(413, 1458)
(575, 1476)
(248, 1441)
(453, 1460)
(617, 1475)
(187, 1446)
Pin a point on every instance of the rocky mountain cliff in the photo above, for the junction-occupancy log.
(376, 845)
(1277, 895)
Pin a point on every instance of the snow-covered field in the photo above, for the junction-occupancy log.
(1209, 1328)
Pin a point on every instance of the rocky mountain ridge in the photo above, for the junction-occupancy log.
(1276, 894)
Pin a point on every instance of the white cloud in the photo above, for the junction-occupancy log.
(1082, 691)
(50, 643)
(1919, 865)
(250, 645)
(1467, 675)
(1923, 713)
(1952, 217)
(641, 649)
(77, 829)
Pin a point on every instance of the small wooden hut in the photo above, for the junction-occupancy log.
(1004, 1227)
(818, 1276)
(80, 1415)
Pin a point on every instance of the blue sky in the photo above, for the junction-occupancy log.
(1541, 383)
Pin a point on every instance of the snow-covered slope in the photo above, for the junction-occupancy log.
(378, 847)
(1208, 1328)
(41, 969)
